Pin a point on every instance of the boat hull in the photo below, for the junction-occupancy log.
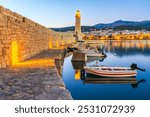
(108, 74)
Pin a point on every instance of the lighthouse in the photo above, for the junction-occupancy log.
(78, 26)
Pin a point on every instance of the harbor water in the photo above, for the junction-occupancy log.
(119, 53)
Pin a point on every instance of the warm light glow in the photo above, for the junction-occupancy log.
(78, 14)
(29, 63)
(128, 44)
(148, 45)
(69, 41)
(14, 53)
(77, 74)
(139, 36)
(141, 45)
(117, 37)
(36, 63)
(57, 44)
(50, 44)
(63, 42)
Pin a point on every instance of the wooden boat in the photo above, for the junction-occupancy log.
(112, 72)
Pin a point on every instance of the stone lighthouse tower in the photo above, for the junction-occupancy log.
(78, 26)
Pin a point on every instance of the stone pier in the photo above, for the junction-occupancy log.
(39, 82)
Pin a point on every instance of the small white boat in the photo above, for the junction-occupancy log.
(111, 72)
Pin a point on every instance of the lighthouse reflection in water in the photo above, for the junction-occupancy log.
(119, 53)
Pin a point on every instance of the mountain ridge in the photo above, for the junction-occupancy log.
(117, 25)
(122, 23)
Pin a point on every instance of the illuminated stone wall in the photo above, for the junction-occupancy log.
(30, 37)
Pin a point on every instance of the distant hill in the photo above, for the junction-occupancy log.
(64, 29)
(117, 25)
(72, 28)
(136, 28)
(122, 25)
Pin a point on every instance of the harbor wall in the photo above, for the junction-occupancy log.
(22, 38)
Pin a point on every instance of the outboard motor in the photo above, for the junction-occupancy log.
(134, 67)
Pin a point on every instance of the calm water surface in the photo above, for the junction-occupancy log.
(119, 53)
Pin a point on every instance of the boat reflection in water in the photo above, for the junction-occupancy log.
(79, 75)
(132, 81)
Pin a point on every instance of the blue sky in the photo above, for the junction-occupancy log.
(60, 13)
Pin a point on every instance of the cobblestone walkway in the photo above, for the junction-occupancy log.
(33, 83)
